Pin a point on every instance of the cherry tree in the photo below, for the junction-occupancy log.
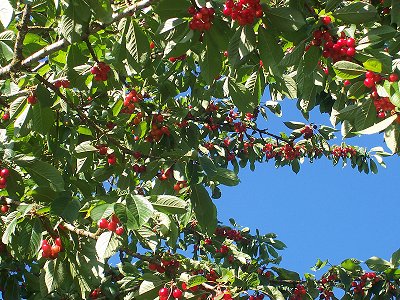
(120, 120)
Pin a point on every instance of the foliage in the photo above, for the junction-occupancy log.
(121, 120)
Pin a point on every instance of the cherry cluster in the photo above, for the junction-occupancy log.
(289, 152)
(298, 292)
(180, 185)
(32, 100)
(103, 150)
(65, 83)
(139, 168)
(307, 132)
(359, 283)
(100, 71)
(342, 48)
(51, 251)
(164, 293)
(371, 79)
(167, 265)
(112, 225)
(229, 233)
(201, 18)
(343, 152)
(129, 102)
(243, 11)
(224, 249)
(157, 129)
(4, 173)
(383, 107)
(326, 287)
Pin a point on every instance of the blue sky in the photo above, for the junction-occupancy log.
(323, 212)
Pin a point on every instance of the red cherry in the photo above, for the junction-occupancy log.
(184, 286)
(103, 223)
(5, 116)
(351, 43)
(163, 292)
(346, 82)
(119, 231)
(393, 77)
(152, 267)
(4, 208)
(369, 74)
(32, 100)
(46, 248)
(103, 150)
(58, 242)
(111, 159)
(381, 115)
(44, 242)
(369, 82)
(3, 181)
(112, 226)
(152, 45)
(326, 20)
(177, 293)
(351, 51)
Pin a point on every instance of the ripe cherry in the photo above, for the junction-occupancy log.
(103, 223)
(5, 116)
(112, 226)
(55, 249)
(346, 82)
(32, 100)
(152, 45)
(326, 20)
(163, 292)
(152, 267)
(177, 293)
(111, 159)
(119, 231)
(393, 77)
(369, 82)
(4, 208)
(103, 150)
(58, 242)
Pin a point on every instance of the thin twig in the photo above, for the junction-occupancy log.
(19, 42)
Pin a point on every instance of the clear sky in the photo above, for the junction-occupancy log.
(322, 212)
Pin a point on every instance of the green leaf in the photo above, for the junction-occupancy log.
(137, 43)
(102, 211)
(14, 216)
(12, 289)
(357, 90)
(242, 43)
(285, 18)
(241, 97)
(195, 281)
(101, 9)
(351, 264)
(66, 207)
(356, 13)
(43, 118)
(149, 289)
(169, 204)
(378, 264)
(107, 244)
(270, 51)
(42, 173)
(226, 177)
(274, 293)
(286, 274)
(294, 125)
(204, 208)
(52, 276)
(85, 147)
(373, 65)
(348, 70)
(210, 62)
(169, 9)
(137, 212)
(6, 12)
(395, 259)
(392, 137)
(74, 23)
(378, 127)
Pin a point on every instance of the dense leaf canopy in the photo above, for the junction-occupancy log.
(121, 119)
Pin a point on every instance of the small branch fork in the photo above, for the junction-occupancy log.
(18, 64)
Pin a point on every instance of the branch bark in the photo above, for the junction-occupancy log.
(43, 53)
(19, 42)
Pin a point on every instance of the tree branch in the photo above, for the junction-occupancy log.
(82, 232)
(19, 42)
(43, 53)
